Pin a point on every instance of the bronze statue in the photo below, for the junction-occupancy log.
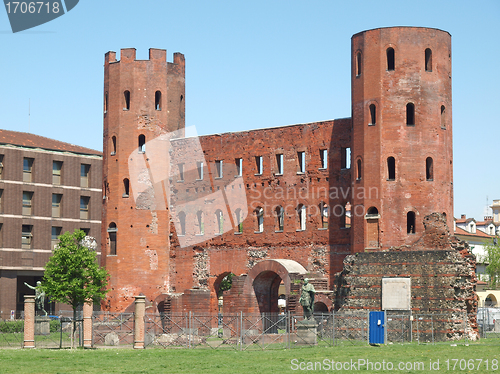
(307, 299)
(39, 296)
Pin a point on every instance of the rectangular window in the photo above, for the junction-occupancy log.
(84, 175)
(181, 172)
(27, 169)
(218, 169)
(258, 164)
(323, 154)
(27, 236)
(1, 166)
(345, 158)
(1, 235)
(56, 232)
(279, 163)
(239, 167)
(27, 202)
(1, 201)
(56, 172)
(84, 207)
(56, 205)
(301, 157)
(86, 230)
(199, 166)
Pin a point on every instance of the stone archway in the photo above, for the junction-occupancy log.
(263, 281)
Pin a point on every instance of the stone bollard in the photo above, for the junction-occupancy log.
(140, 309)
(87, 324)
(29, 321)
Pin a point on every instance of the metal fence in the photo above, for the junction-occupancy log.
(113, 329)
(11, 330)
(57, 331)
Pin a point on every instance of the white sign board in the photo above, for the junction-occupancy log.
(396, 293)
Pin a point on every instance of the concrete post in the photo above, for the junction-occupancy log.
(140, 309)
(29, 321)
(87, 324)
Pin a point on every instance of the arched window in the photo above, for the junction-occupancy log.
(390, 58)
(112, 234)
(126, 100)
(126, 187)
(410, 222)
(372, 227)
(219, 219)
(391, 168)
(239, 220)
(443, 117)
(358, 63)
(346, 216)
(113, 145)
(142, 143)
(358, 170)
(201, 226)
(373, 114)
(323, 210)
(429, 169)
(410, 114)
(182, 223)
(280, 218)
(428, 59)
(158, 100)
(301, 216)
(259, 215)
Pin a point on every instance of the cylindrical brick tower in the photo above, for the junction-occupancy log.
(143, 99)
(402, 134)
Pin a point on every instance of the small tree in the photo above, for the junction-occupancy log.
(72, 275)
(492, 258)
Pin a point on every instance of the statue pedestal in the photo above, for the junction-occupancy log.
(307, 332)
(42, 325)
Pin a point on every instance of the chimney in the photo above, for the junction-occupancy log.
(463, 216)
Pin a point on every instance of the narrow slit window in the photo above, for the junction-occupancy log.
(301, 157)
(199, 166)
(301, 215)
(279, 163)
(113, 145)
(239, 167)
(443, 117)
(105, 102)
(181, 172)
(112, 234)
(429, 169)
(259, 213)
(158, 100)
(323, 208)
(280, 218)
(218, 168)
(410, 114)
(239, 220)
(126, 187)
(358, 64)
(219, 216)
(373, 115)
(390, 58)
(126, 102)
(201, 226)
(428, 59)
(358, 170)
(182, 223)
(346, 216)
(323, 154)
(345, 161)
(410, 223)
(142, 143)
(258, 162)
(391, 168)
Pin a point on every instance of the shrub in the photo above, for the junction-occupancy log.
(11, 326)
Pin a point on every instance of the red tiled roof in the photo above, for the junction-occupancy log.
(479, 233)
(24, 139)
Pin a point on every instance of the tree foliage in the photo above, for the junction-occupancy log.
(493, 260)
(72, 275)
(226, 283)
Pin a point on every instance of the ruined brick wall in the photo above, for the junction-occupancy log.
(401, 106)
(441, 268)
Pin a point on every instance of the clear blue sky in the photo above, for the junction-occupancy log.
(252, 64)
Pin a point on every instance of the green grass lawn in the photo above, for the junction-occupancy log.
(119, 360)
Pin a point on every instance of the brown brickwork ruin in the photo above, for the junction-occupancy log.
(275, 205)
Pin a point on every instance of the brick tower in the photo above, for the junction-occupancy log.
(143, 99)
(402, 135)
